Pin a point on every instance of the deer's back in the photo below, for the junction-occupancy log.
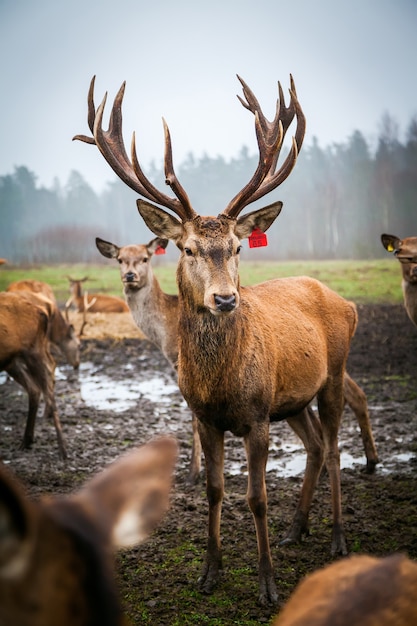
(360, 591)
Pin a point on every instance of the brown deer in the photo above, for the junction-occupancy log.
(25, 356)
(3, 261)
(156, 314)
(60, 332)
(94, 303)
(360, 590)
(406, 252)
(55, 565)
(247, 355)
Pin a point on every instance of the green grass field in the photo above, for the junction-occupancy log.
(360, 281)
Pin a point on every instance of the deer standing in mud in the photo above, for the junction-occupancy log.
(60, 332)
(55, 566)
(358, 591)
(405, 251)
(25, 356)
(156, 314)
(247, 356)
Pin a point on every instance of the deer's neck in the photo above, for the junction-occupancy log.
(410, 300)
(152, 312)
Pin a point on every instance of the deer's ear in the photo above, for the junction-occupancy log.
(391, 242)
(156, 243)
(261, 219)
(159, 221)
(130, 497)
(107, 249)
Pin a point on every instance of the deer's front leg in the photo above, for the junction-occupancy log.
(257, 445)
(212, 442)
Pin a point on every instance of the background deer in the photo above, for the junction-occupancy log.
(247, 355)
(94, 303)
(360, 590)
(60, 332)
(55, 553)
(406, 252)
(3, 261)
(156, 314)
(25, 356)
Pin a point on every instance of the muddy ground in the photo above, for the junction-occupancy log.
(125, 393)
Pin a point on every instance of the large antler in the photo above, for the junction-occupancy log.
(111, 145)
(270, 137)
(266, 178)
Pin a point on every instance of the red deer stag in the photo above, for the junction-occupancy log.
(94, 303)
(406, 252)
(55, 565)
(25, 356)
(247, 355)
(156, 314)
(360, 590)
(60, 332)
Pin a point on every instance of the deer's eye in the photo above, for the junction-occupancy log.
(145, 260)
(119, 261)
(188, 251)
(239, 248)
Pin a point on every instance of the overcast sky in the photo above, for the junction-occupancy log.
(352, 60)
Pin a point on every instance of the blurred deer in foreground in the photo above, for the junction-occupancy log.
(55, 554)
(25, 356)
(405, 251)
(156, 314)
(60, 332)
(94, 303)
(358, 591)
(247, 355)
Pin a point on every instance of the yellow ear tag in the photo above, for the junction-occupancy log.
(390, 247)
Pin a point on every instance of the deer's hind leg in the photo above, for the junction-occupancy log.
(308, 428)
(330, 405)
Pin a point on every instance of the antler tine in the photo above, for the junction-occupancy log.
(284, 116)
(111, 145)
(171, 178)
(269, 137)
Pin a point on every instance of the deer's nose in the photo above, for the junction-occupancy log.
(130, 277)
(225, 303)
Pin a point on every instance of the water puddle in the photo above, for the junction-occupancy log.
(103, 393)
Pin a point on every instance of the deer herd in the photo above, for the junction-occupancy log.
(244, 357)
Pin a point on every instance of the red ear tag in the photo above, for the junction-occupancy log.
(257, 239)
(160, 250)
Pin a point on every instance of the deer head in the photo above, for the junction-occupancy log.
(134, 261)
(210, 246)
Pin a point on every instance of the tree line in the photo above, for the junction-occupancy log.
(337, 202)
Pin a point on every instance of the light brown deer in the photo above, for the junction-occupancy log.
(359, 591)
(156, 314)
(55, 565)
(247, 355)
(25, 356)
(60, 332)
(94, 303)
(406, 252)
